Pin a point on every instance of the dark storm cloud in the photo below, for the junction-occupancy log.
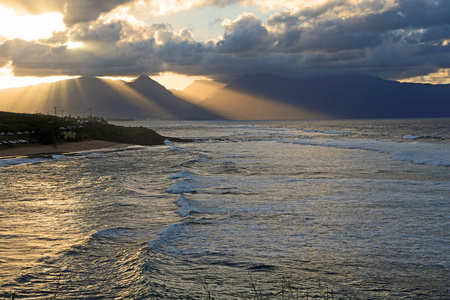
(408, 39)
(407, 14)
(435, 34)
(76, 11)
(58, 37)
(246, 35)
(34, 59)
(318, 10)
(392, 43)
(101, 33)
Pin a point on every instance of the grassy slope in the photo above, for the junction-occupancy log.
(44, 129)
(113, 133)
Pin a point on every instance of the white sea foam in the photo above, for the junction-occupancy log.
(415, 152)
(20, 161)
(186, 206)
(324, 132)
(182, 174)
(239, 126)
(182, 186)
(58, 156)
(204, 160)
(333, 132)
(412, 137)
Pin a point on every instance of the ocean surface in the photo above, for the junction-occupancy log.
(251, 210)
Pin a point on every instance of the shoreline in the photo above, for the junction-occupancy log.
(62, 148)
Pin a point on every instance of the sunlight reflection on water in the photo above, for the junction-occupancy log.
(158, 221)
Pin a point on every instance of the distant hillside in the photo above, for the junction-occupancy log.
(199, 90)
(142, 99)
(265, 96)
(260, 96)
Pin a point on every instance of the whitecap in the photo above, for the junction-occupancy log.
(412, 137)
(334, 132)
(181, 186)
(20, 161)
(415, 152)
(182, 174)
(168, 143)
(186, 206)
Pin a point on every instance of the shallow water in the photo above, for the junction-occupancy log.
(359, 208)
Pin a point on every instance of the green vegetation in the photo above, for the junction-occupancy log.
(290, 288)
(30, 128)
(112, 133)
(17, 128)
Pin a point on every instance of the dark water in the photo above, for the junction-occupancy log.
(342, 209)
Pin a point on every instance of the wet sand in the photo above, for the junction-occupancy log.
(62, 148)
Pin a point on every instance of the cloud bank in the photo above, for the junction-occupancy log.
(388, 39)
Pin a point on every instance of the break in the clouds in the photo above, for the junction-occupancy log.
(74, 11)
(390, 39)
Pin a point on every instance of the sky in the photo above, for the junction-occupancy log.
(178, 41)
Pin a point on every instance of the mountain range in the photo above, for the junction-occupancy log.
(257, 96)
(266, 96)
(143, 98)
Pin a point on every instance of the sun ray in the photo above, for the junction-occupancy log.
(237, 105)
(196, 93)
(136, 98)
(9, 80)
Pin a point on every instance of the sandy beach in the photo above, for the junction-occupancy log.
(30, 150)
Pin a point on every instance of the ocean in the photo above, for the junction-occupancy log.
(350, 209)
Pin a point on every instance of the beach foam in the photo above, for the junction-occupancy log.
(21, 161)
(415, 152)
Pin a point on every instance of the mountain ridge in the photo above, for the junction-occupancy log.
(332, 97)
(142, 98)
(252, 96)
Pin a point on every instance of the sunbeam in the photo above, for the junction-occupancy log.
(232, 104)
(136, 98)
(202, 89)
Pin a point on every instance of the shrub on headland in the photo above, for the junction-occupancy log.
(119, 134)
(47, 130)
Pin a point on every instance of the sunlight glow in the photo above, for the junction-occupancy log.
(8, 80)
(166, 7)
(31, 27)
(440, 77)
(199, 91)
(136, 98)
(122, 78)
(30, 99)
(270, 5)
(241, 106)
(73, 45)
(167, 79)
(176, 81)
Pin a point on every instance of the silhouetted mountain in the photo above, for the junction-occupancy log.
(199, 90)
(143, 98)
(265, 96)
(261, 96)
